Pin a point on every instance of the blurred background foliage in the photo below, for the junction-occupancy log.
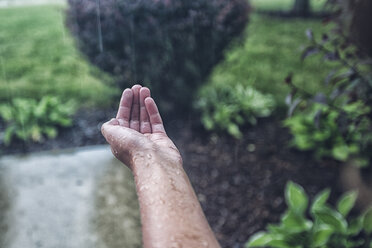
(170, 46)
(193, 54)
(222, 64)
(38, 56)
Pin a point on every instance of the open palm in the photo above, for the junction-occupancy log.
(137, 131)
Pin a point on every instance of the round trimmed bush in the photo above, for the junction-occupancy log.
(169, 45)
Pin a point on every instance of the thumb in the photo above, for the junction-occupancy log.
(124, 142)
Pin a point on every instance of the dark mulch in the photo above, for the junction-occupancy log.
(239, 184)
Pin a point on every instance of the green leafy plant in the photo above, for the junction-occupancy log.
(227, 108)
(327, 227)
(26, 119)
(343, 125)
(318, 129)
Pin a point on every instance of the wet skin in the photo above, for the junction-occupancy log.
(171, 215)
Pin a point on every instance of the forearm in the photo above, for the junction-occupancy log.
(170, 212)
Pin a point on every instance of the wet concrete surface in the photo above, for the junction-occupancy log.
(71, 199)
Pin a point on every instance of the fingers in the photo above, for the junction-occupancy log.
(125, 107)
(145, 126)
(134, 122)
(138, 111)
(155, 118)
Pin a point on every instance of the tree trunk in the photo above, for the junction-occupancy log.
(301, 8)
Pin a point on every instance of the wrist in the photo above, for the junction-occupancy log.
(145, 164)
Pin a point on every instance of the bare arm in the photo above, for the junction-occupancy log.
(170, 212)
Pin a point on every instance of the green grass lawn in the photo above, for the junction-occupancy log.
(284, 5)
(38, 57)
(270, 51)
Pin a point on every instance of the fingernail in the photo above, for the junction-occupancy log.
(127, 92)
(121, 122)
(114, 121)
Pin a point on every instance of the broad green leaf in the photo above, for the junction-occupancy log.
(296, 197)
(6, 112)
(367, 222)
(51, 132)
(259, 239)
(340, 152)
(277, 243)
(263, 239)
(355, 226)
(322, 235)
(293, 222)
(8, 135)
(36, 134)
(332, 218)
(233, 129)
(320, 199)
(346, 203)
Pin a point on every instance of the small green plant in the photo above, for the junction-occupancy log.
(27, 119)
(226, 108)
(326, 228)
(338, 133)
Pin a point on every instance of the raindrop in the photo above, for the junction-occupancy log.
(143, 187)
(99, 26)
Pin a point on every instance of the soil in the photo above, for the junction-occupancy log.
(240, 184)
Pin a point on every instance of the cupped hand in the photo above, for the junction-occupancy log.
(137, 133)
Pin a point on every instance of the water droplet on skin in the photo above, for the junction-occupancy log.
(204, 243)
(149, 156)
(175, 245)
(178, 172)
(143, 187)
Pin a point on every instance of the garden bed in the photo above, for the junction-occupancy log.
(239, 184)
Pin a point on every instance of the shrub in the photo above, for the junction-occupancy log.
(346, 118)
(27, 119)
(226, 108)
(326, 227)
(168, 45)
